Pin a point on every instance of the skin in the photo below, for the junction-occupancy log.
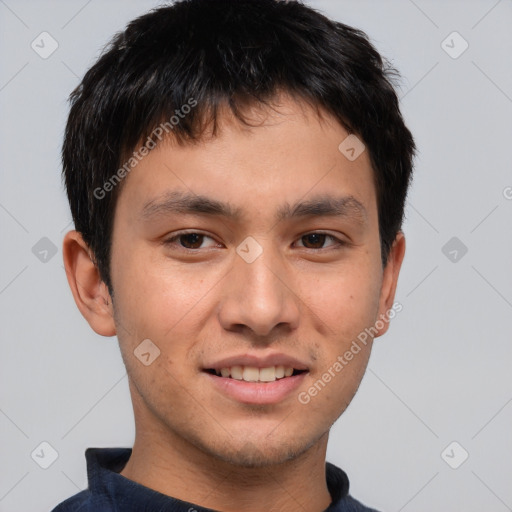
(308, 298)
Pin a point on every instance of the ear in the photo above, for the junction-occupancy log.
(89, 291)
(389, 282)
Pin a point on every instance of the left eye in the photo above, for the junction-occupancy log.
(318, 239)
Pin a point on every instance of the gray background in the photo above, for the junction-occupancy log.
(441, 374)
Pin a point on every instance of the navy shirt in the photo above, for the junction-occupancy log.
(109, 491)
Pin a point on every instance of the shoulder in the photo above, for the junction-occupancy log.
(338, 485)
(78, 503)
(350, 504)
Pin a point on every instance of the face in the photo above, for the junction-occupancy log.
(245, 258)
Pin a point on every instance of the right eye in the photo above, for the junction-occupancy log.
(189, 241)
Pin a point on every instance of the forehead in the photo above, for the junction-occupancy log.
(287, 153)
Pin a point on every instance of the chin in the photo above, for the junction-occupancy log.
(258, 452)
(251, 456)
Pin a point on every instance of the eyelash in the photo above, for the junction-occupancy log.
(338, 244)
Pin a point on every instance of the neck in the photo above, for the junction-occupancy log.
(166, 463)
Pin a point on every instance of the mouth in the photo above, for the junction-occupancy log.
(269, 385)
(258, 379)
(254, 374)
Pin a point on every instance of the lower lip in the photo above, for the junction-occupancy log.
(257, 392)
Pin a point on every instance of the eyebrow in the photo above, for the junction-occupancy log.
(325, 206)
(187, 203)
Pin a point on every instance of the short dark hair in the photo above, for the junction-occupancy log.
(223, 53)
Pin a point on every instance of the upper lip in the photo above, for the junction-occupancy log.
(266, 361)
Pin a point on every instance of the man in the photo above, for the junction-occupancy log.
(237, 173)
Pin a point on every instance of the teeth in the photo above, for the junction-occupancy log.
(267, 374)
(253, 374)
(236, 372)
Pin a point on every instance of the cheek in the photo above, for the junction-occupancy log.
(162, 301)
(344, 302)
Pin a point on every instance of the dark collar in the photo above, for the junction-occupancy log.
(104, 465)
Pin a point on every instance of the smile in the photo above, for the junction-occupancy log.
(254, 374)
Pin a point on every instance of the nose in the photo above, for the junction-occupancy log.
(259, 297)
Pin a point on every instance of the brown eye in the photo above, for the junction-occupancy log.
(191, 240)
(318, 240)
(314, 239)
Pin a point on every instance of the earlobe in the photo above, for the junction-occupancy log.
(389, 282)
(89, 291)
